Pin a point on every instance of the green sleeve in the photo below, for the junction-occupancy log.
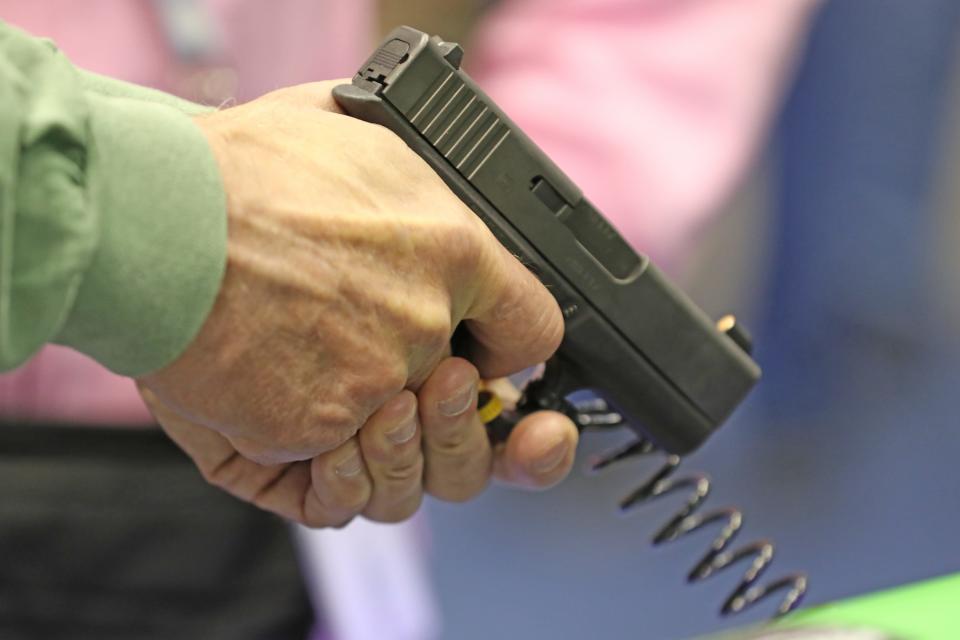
(112, 214)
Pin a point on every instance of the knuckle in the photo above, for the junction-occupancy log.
(294, 442)
(464, 243)
(397, 512)
(218, 477)
(429, 345)
(387, 455)
(456, 241)
(380, 382)
(227, 476)
(433, 326)
(349, 503)
(252, 451)
(440, 332)
(338, 495)
(548, 332)
(456, 489)
(428, 335)
(404, 474)
(452, 443)
(322, 427)
(457, 471)
(391, 380)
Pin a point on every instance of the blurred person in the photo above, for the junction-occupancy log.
(857, 153)
(860, 348)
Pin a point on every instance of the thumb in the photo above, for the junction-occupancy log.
(514, 322)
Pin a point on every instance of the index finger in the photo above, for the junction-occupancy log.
(514, 321)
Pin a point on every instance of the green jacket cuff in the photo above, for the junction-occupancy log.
(162, 247)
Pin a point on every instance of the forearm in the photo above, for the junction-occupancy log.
(112, 217)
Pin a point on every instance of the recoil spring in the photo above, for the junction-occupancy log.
(594, 414)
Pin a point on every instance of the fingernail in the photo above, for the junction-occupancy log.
(552, 458)
(459, 402)
(405, 431)
(349, 467)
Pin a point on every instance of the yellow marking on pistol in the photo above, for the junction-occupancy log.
(489, 406)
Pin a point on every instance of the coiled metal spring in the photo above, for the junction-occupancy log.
(688, 519)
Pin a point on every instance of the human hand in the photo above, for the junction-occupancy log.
(429, 442)
(349, 265)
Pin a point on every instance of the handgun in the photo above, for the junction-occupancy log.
(630, 335)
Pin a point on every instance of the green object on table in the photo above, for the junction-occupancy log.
(927, 610)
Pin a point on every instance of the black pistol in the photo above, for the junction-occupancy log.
(630, 335)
